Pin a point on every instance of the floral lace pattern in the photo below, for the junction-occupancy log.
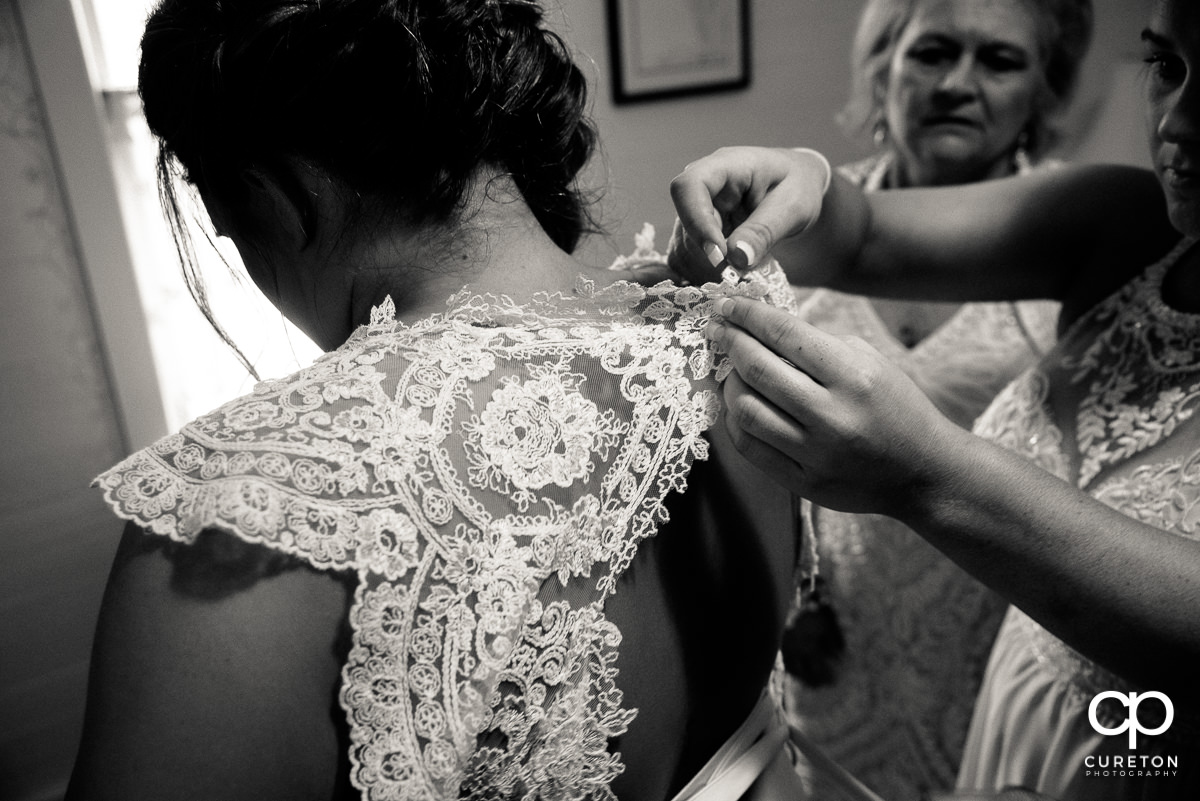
(1020, 421)
(488, 473)
(963, 364)
(1129, 374)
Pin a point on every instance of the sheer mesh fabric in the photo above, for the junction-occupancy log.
(487, 474)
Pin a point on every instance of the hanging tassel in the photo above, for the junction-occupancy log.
(812, 642)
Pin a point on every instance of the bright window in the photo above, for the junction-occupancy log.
(197, 372)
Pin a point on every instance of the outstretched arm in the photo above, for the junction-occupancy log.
(847, 429)
(1030, 236)
(210, 681)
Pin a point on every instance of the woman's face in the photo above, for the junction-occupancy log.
(963, 83)
(1171, 44)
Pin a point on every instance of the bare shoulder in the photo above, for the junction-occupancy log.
(1124, 228)
(214, 675)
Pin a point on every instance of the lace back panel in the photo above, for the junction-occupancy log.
(487, 474)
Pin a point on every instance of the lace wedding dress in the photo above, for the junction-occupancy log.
(1111, 410)
(917, 628)
(487, 474)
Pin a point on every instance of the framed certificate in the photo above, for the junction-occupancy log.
(669, 48)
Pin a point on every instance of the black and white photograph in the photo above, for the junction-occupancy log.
(600, 400)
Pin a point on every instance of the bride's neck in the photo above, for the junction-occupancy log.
(497, 247)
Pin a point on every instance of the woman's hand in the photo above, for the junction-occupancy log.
(848, 430)
(828, 416)
(740, 203)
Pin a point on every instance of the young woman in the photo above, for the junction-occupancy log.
(437, 563)
(1078, 499)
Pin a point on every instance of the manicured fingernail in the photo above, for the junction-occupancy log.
(737, 256)
(714, 254)
(713, 329)
(749, 251)
(722, 306)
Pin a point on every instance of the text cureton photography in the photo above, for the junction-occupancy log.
(1132, 764)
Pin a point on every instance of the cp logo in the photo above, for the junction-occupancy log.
(1132, 725)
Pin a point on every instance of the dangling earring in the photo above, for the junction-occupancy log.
(879, 132)
(1022, 163)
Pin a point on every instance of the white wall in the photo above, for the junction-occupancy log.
(1111, 118)
(799, 79)
(799, 53)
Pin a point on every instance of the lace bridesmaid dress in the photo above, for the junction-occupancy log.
(487, 475)
(1112, 410)
(917, 628)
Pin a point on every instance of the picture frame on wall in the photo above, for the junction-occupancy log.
(673, 48)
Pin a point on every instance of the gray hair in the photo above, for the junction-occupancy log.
(1064, 30)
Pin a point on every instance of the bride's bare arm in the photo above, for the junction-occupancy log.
(214, 676)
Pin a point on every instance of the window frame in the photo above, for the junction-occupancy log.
(63, 67)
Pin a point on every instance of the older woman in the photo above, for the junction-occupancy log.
(952, 91)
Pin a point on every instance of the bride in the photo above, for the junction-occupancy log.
(491, 546)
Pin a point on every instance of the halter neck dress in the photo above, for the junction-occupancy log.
(1111, 410)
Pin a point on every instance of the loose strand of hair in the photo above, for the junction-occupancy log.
(188, 263)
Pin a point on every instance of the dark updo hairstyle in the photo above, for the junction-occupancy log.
(399, 101)
(1064, 33)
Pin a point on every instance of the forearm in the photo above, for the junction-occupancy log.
(829, 252)
(1046, 235)
(1123, 593)
(842, 426)
(1037, 236)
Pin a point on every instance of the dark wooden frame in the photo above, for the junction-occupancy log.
(624, 33)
